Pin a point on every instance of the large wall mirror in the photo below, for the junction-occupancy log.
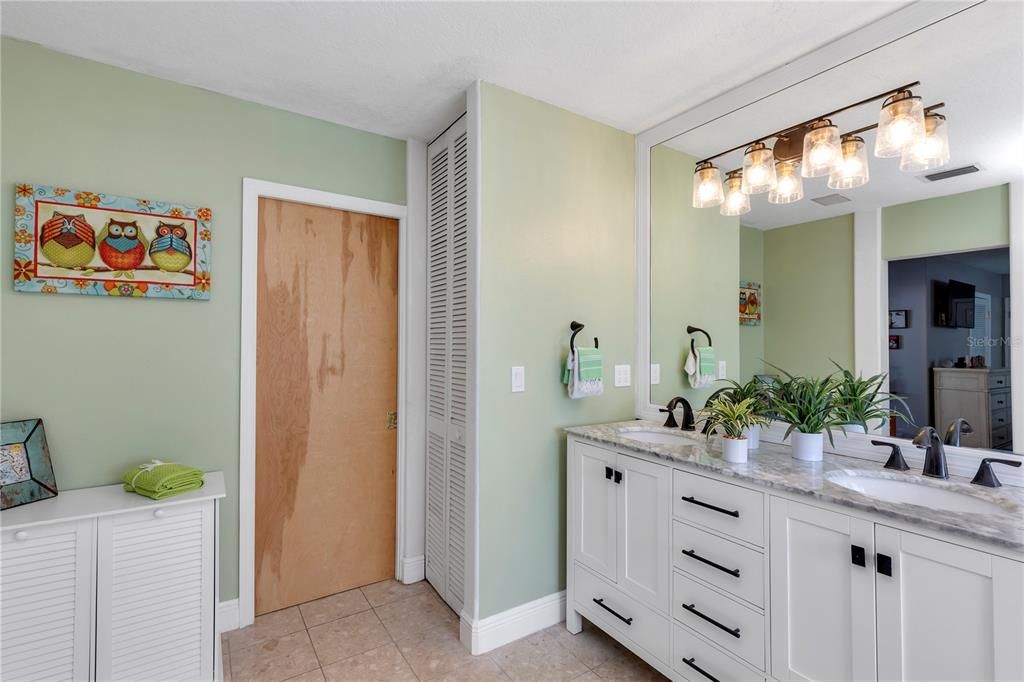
(899, 264)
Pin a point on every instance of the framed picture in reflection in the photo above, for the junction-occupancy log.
(899, 319)
(895, 342)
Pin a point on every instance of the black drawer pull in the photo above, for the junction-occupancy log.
(702, 671)
(600, 602)
(618, 476)
(608, 473)
(693, 500)
(735, 572)
(883, 564)
(735, 632)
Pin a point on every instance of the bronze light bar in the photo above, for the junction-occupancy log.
(804, 124)
(858, 131)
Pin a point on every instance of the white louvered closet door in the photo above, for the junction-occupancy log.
(448, 362)
(154, 600)
(46, 616)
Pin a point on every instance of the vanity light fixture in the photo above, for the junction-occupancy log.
(789, 186)
(900, 123)
(853, 169)
(707, 186)
(822, 152)
(932, 149)
(737, 202)
(814, 148)
(758, 169)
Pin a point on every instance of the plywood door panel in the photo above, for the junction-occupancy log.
(327, 377)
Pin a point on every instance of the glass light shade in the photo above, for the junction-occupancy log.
(737, 202)
(758, 169)
(789, 186)
(932, 150)
(853, 170)
(707, 186)
(821, 150)
(900, 123)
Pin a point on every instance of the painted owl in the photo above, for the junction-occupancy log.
(69, 241)
(122, 245)
(169, 249)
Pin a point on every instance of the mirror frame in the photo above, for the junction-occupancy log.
(870, 271)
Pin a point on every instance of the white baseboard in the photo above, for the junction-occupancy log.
(413, 570)
(227, 616)
(498, 630)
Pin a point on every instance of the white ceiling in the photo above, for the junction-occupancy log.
(973, 61)
(401, 69)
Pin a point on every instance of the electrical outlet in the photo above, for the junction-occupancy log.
(622, 377)
(655, 374)
(518, 379)
(721, 369)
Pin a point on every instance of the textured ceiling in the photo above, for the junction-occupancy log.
(401, 69)
(973, 61)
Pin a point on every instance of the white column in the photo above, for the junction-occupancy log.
(1016, 339)
(870, 294)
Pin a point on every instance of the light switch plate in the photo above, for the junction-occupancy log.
(721, 369)
(518, 379)
(655, 374)
(622, 375)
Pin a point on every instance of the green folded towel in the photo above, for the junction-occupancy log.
(159, 480)
(707, 361)
(591, 363)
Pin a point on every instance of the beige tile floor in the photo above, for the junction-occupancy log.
(390, 631)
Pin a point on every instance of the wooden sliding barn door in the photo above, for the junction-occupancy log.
(326, 396)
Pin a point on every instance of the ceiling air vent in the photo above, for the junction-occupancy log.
(951, 173)
(830, 199)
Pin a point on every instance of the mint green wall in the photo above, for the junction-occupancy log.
(958, 222)
(752, 270)
(808, 296)
(694, 277)
(556, 245)
(91, 368)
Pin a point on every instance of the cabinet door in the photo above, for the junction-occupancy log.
(947, 612)
(155, 593)
(593, 493)
(822, 602)
(46, 601)
(644, 517)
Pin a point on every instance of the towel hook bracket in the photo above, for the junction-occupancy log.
(690, 329)
(576, 328)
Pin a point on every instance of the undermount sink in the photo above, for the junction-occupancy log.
(908, 492)
(655, 437)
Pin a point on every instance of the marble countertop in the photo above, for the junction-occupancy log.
(771, 466)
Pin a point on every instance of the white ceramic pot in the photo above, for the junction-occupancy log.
(807, 447)
(753, 435)
(734, 450)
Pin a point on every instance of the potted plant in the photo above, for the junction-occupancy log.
(731, 418)
(809, 405)
(758, 392)
(862, 400)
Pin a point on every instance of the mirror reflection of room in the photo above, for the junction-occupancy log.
(768, 223)
(949, 319)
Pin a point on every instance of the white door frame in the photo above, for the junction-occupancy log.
(252, 191)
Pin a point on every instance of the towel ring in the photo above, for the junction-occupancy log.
(576, 328)
(690, 329)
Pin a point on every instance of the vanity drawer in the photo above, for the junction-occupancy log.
(724, 507)
(600, 602)
(1000, 400)
(1000, 435)
(727, 565)
(1000, 379)
(734, 627)
(698, 661)
(1000, 418)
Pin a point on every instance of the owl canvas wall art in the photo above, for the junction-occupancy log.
(76, 242)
